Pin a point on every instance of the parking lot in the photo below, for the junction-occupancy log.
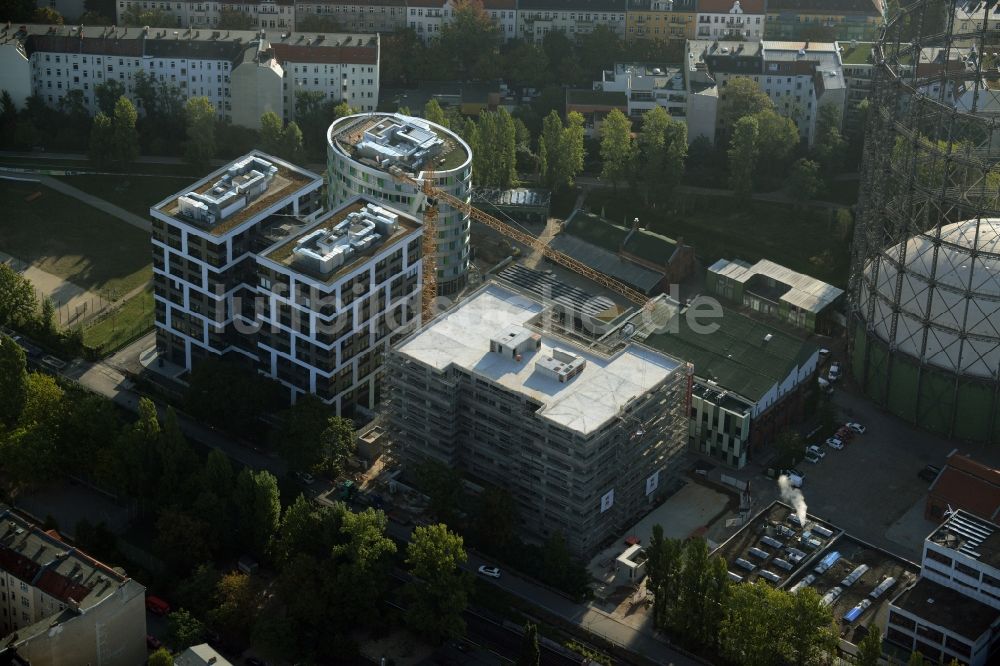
(871, 488)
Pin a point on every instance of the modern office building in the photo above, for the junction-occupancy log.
(247, 265)
(59, 606)
(363, 149)
(581, 433)
(243, 73)
(826, 20)
(799, 77)
(953, 610)
(776, 291)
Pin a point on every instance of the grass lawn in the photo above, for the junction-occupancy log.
(808, 240)
(125, 324)
(73, 241)
(179, 170)
(135, 193)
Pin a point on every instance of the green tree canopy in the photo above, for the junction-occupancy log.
(270, 132)
(434, 113)
(804, 181)
(258, 508)
(742, 154)
(870, 647)
(199, 116)
(617, 147)
(439, 593)
(13, 381)
(530, 654)
(184, 630)
(741, 96)
(17, 297)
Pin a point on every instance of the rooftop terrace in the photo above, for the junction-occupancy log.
(237, 193)
(462, 338)
(385, 140)
(342, 241)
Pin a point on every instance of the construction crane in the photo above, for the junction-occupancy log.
(436, 195)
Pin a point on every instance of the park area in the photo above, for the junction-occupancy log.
(80, 257)
(133, 193)
(809, 239)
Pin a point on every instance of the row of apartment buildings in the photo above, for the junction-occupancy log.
(799, 77)
(660, 20)
(243, 73)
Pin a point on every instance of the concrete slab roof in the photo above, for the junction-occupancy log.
(461, 338)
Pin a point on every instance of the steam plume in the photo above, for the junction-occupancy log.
(794, 497)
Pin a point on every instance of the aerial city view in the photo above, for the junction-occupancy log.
(489, 332)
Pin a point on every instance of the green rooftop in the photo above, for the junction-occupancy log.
(736, 356)
(857, 55)
(644, 244)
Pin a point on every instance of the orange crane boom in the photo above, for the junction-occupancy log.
(433, 192)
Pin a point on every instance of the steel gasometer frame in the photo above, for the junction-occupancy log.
(924, 305)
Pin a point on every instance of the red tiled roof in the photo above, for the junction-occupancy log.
(724, 6)
(968, 485)
(362, 55)
(19, 566)
(56, 585)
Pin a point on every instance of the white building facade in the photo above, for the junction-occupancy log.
(953, 611)
(362, 148)
(537, 18)
(236, 273)
(725, 19)
(198, 63)
(427, 17)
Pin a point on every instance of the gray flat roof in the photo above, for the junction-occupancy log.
(461, 338)
(948, 608)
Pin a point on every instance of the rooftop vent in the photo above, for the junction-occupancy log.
(768, 338)
(514, 342)
(325, 250)
(561, 366)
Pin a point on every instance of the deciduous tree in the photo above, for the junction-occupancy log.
(617, 147)
(741, 96)
(440, 590)
(107, 95)
(270, 132)
(258, 508)
(184, 630)
(870, 647)
(161, 657)
(199, 116)
(743, 156)
(810, 628)
(434, 113)
(530, 654)
(13, 381)
(804, 181)
(125, 138)
(236, 607)
(363, 564)
(17, 296)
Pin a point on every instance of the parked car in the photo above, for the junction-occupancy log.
(795, 477)
(835, 443)
(811, 457)
(834, 373)
(491, 572)
(929, 473)
(306, 478)
(157, 606)
(855, 427)
(844, 434)
(152, 642)
(815, 450)
(254, 661)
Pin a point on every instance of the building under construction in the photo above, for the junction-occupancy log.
(925, 278)
(582, 432)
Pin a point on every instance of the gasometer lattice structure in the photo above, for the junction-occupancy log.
(924, 324)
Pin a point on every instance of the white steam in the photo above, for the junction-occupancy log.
(794, 497)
